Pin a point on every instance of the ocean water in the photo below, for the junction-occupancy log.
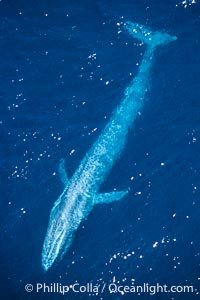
(64, 68)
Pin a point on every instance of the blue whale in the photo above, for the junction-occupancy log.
(81, 192)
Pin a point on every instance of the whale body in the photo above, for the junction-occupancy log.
(81, 192)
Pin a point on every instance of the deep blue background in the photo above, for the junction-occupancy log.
(47, 74)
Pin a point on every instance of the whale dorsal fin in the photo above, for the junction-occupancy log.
(109, 197)
(62, 172)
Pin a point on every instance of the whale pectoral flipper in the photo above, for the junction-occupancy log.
(109, 197)
(62, 172)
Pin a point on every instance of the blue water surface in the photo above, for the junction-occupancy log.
(64, 68)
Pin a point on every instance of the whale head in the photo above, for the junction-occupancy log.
(65, 217)
(59, 234)
(57, 241)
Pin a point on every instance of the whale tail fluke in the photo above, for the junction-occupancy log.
(146, 36)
